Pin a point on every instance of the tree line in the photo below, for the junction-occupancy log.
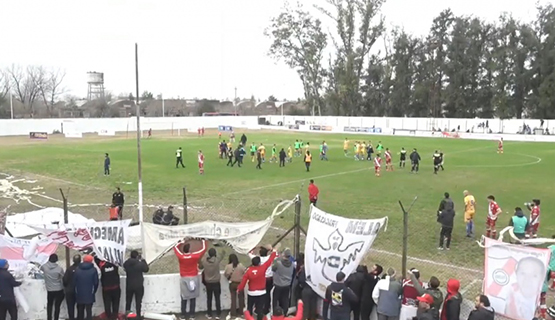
(464, 67)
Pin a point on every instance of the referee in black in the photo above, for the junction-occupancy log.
(437, 161)
(179, 158)
(230, 157)
(402, 158)
(415, 161)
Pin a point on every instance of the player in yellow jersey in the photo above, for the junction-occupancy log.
(262, 150)
(360, 152)
(307, 147)
(469, 211)
(363, 150)
(289, 154)
(346, 147)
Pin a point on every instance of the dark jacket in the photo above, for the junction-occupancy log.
(452, 305)
(430, 314)
(415, 157)
(86, 283)
(446, 213)
(69, 284)
(370, 281)
(436, 293)
(341, 298)
(355, 281)
(282, 155)
(109, 275)
(486, 313)
(134, 268)
(7, 284)
(118, 198)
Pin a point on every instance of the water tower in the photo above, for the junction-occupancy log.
(95, 80)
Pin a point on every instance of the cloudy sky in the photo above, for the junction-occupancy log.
(187, 48)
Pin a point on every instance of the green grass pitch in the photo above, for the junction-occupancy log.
(347, 187)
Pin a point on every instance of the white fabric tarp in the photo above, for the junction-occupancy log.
(334, 244)
(242, 236)
(17, 224)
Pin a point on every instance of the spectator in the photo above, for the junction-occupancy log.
(7, 295)
(234, 272)
(255, 277)
(387, 296)
(53, 281)
(263, 254)
(427, 312)
(355, 282)
(446, 217)
(341, 299)
(86, 284)
(368, 287)
(550, 314)
(134, 267)
(433, 290)
(188, 270)
(111, 291)
(482, 309)
(212, 277)
(313, 192)
(409, 303)
(69, 286)
(519, 223)
(452, 305)
(279, 313)
(308, 296)
(283, 270)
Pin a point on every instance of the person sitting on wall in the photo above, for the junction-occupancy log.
(169, 219)
(158, 216)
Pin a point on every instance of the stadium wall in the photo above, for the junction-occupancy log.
(162, 295)
(74, 128)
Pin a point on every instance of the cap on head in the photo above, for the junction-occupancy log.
(426, 298)
(88, 258)
(3, 263)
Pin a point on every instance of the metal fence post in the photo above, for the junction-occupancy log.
(185, 212)
(66, 220)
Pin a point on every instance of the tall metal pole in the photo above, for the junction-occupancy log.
(11, 103)
(66, 221)
(235, 101)
(163, 107)
(139, 164)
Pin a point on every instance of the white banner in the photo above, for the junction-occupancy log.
(106, 132)
(334, 244)
(19, 252)
(514, 276)
(242, 236)
(73, 135)
(108, 239)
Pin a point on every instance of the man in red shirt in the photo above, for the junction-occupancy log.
(188, 270)
(534, 208)
(256, 279)
(493, 212)
(313, 192)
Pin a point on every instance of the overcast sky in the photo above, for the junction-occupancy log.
(187, 48)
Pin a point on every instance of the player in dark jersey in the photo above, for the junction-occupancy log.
(441, 158)
(402, 158)
(437, 161)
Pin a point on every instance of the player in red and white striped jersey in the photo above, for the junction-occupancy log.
(534, 208)
(500, 145)
(388, 159)
(493, 212)
(377, 165)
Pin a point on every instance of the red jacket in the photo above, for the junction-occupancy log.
(298, 315)
(256, 277)
(313, 192)
(188, 262)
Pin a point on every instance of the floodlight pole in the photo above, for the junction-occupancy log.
(139, 164)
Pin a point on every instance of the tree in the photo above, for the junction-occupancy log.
(298, 40)
(50, 87)
(204, 107)
(25, 84)
(353, 47)
(147, 95)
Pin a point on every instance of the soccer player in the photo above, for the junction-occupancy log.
(106, 165)
(219, 135)
(437, 161)
(282, 157)
(534, 208)
(297, 148)
(388, 164)
(274, 154)
(149, 133)
(500, 145)
(469, 212)
(493, 212)
(346, 147)
(402, 158)
(363, 150)
(232, 136)
(369, 151)
(230, 153)
(200, 162)
(262, 150)
(258, 159)
(322, 150)
(441, 158)
(307, 160)
(360, 151)
(179, 158)
(307, 147)
(379, 149)
(377, 165)
(253, 152)
(289, 154)
(325, 151)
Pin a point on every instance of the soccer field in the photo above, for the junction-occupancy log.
(347, 187)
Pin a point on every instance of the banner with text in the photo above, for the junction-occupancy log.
(19, 252)
(225, 128)
(514, 276)
(107, 239)
(316, 127)
(38, 135)
(334, 244)
(363, 129)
